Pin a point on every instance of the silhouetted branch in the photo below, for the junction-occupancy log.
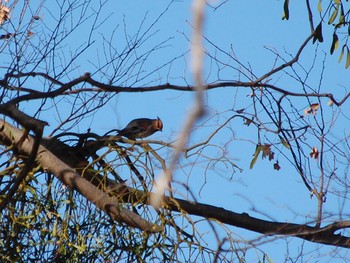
(68, 88)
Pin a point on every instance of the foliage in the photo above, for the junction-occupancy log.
(336, 14)
(70, 192)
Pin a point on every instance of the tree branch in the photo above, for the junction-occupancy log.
(67, 175)
(324, 235)
(54, 164)
(66, 88)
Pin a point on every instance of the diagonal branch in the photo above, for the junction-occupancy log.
(324, 235)
(28, 123)
(93, 191)
(53, 164)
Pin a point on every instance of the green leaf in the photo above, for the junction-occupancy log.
(319, 6)
(54, 229)
(269, 259)
(256, 155)
(341, 17)
(286, 10)
(81, 249)
(284, 143)
(335, 43)
(337, 1)
(26, 217)
(341, 54)
(347, 64)
(334, 15)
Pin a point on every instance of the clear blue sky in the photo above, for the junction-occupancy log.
(247, 28)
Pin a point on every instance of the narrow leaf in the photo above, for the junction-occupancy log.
(319, 6)
(269, 259)
(26, 217)
(334, 15)
(318, 33)
(341, 54)
(256, 155)
(54, 229)
(347, 64)
(286, 10)
(341, 17)
(335, 43)
(284, 142)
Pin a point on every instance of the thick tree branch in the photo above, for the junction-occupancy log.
(52, 164)
(29, 123)
(324, 235)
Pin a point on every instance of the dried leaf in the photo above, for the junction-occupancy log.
(36, 17)
(276, 166)
(6, 36)
(266, 149)
(313, 109)
(307, 111)
(330, 103)
(4, 13)
(315, 106)
(247, 121)
(314, 153)
(267, 152)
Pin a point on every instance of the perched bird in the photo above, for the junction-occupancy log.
(141, 128)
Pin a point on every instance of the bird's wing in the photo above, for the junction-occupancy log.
(131, 130)
(134, 129)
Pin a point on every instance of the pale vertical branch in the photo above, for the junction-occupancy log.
(197, 56)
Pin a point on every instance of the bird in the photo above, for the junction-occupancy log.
(141, 128)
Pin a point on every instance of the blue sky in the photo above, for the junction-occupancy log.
(249, 29)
